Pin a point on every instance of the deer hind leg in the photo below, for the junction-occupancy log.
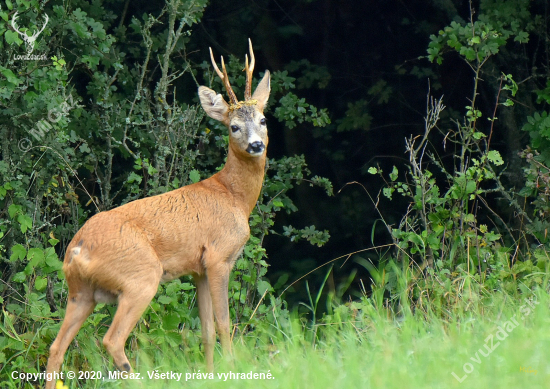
(207, 320)
(79, 306)
(132, 302)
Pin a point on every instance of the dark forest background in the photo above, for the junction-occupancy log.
(367, 63)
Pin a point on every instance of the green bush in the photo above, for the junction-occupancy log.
(443, 244)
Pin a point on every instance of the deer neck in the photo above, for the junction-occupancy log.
(243, 176)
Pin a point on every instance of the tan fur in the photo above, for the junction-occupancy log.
(200, 229)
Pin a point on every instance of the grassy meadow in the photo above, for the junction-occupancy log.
(496, 341)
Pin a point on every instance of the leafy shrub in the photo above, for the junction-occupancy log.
(442, 245)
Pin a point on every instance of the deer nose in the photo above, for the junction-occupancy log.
(255, 147)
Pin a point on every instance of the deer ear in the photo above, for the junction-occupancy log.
(214, 105)
(262, 91)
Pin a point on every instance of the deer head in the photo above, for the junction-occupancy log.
(245, 119)
(29, 40)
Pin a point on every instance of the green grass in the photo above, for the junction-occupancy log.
(415, 351)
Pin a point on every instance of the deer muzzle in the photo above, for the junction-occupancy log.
(256, 147)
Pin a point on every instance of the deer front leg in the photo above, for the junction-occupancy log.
(207, 320)
(218, 283)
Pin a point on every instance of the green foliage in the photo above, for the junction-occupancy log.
(537, 188)
(357, 117)
(441, 240)
(538, 127)
(537, 174)
(543, 95)
(476, 42)
(479, 40)
(293, 110)
(313, 305)
(311, 75)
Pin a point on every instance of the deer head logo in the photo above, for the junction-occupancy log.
(29, 40)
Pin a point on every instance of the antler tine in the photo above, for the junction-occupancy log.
(214, 63)
(224, 78)
(230, 92)
(249, 70)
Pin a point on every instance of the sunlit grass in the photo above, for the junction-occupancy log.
(415, 351)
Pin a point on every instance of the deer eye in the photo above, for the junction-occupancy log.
(262, 121)
(235, 128)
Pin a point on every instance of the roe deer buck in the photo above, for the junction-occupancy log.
(199, 229)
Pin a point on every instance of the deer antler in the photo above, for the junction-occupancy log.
(249, 69)
(225, 79)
